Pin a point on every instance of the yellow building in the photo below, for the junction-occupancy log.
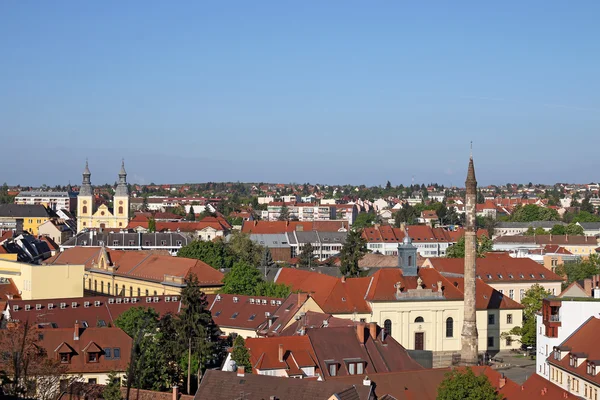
(44, 281)
(137, 273)
(102, 217)
(30, 216)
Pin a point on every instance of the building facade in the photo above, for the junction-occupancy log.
(102, 217)
(52, 200)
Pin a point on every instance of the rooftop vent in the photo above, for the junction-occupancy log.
(63, 305)
(74, 304)
(27, 307)
(235, 299)
(111, 301)
(97, 303)
(86, 304)
(119, 300)
(38, 306)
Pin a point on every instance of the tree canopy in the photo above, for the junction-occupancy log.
(240, 354)
(532, 301)
(306, 257)
(364, 219)
(246, 279)
(214, 253)
(581, 269)
(352, 251)
(484, 245)
(532, 212)
(465, 385)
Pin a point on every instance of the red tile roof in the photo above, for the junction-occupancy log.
(271, 227)
(249, 311)
(498, 267)
(564, 240)
(297, 353)
(179, 226)
(90, 340)
(418, 234)
(536, 387)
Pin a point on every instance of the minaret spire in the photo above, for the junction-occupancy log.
(469, 335)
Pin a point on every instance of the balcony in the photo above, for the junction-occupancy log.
(554, 318)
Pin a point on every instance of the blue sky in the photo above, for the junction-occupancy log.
(312, 91)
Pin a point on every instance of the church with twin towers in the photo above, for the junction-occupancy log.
(89, 216)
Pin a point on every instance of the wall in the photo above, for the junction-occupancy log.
(505, 287)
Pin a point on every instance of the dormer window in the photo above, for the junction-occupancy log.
(92, 357)
(591, 369)
(65, 358)
(556, 354)
(573, 361)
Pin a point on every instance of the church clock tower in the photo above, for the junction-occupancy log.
(121, 200)
(85, 201)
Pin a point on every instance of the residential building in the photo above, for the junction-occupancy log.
(90, 353)
(52, 200)
(270, 227)
(207, 229)
(558, 319)
(36, 281)
(590, 228)
(519, 228)
(509, 276)
(429, 218)
(56, 229)
(487, 210)
(219, 385)
(277, 243)
(136, 273)
(127, 240)
(26, 218)
(300, 211)
(581, 246)
(325, 244)
(574, 363)
(26, 248)
(550, 256)
(88, 216)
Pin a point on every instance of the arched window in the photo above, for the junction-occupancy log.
(449, 327)
(84, 210)
(410, 261)
(102, 286)
(108, 288)
(130, 291)
(120, 209)
(419, 319)
(95, 285)
(116, 289)
(90, 284)
(387, 325)
(139, 292)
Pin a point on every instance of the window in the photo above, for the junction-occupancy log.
(90, 284)
(490, 341)
(139, 292)
(332, 369)
(234, 316)
(360, 368)
(102, 287)
(509, 319)
(64, 358)
(491, 319)
(92, 381)
(130, 291)
(352, 368)
(163, 242)
(116, 289)
(115, 242)
(387, 326)
(419, 319)
(116, 353)
(449, 327)
(501, 291)
(95, 285)
(84, 210)
(509, 342)
(92, 357)
(521, 294)
(120, 209)
(108, 354)
(108, 288)
(147, 292)
(511, 293)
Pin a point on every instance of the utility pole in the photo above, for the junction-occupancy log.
(189, 365)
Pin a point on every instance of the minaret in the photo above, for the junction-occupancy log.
(469, 336)
(121, 200)
(85, 202)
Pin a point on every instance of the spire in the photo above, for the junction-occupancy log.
(122, 190)
(86, 184)
(86, 170)
(471, 182)
(122, 172)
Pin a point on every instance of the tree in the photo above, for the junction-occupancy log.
(465, 385)
(484, 245)
(137, 318)
(587, 206)
(306, 256)
(241, 355)
(214, 253)
(191, 216)
(243, 249)
(267, 258)
(271, 289)
(532, 301)
(574, 229)
(112, 391)
(364, 219)
(557, 230)
(579, 270)
(196, 330)
(388, 185)
(532, 212)
(352, 252)
(152, 225)
(533, 232)
(145, 203)
(407, 214)
(284, 213)
(242, 279)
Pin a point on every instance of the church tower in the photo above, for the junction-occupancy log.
(407, 256)
(469, 336)
(121, 200)
(85, 201)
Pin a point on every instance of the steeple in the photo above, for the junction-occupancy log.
(407, 256)
(86, 184)
(469, 335)
(122, 190)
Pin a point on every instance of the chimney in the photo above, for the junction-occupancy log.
(175, 392)
(373, 330)
(366, 381)
(280, 352)
(439, 283)
(76, 331)
(240, 371)
(501, 382)
(343, 279)
(360, 332)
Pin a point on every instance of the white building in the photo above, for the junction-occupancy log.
(300, 211)
(52, 200)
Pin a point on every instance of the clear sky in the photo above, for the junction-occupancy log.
(304, 91)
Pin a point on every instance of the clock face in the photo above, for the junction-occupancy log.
(102, 213)
(85, 202)
(120, 201)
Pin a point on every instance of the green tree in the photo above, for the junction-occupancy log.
(137, 318)
(484, 245)
(240, 354)
(586, 205)
(284, 213)
(152, 225)
(191, 216)
(364, 219)
(407, 214)
(306, 257)
(532, 212)
(213, 253)
(388, 185)
(271, 289)
(352, 251)
(579, 270)
(267, 258)
(242, 279)
(532, 301)
(557, 230)
(242, 248)
(112, 391)
(465, 385)
(574, 229)
(537, 231)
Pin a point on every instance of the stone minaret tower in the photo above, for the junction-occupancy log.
(85, 203)
(469, 336)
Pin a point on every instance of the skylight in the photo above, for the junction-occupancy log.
(235, 314)
(252, 317)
